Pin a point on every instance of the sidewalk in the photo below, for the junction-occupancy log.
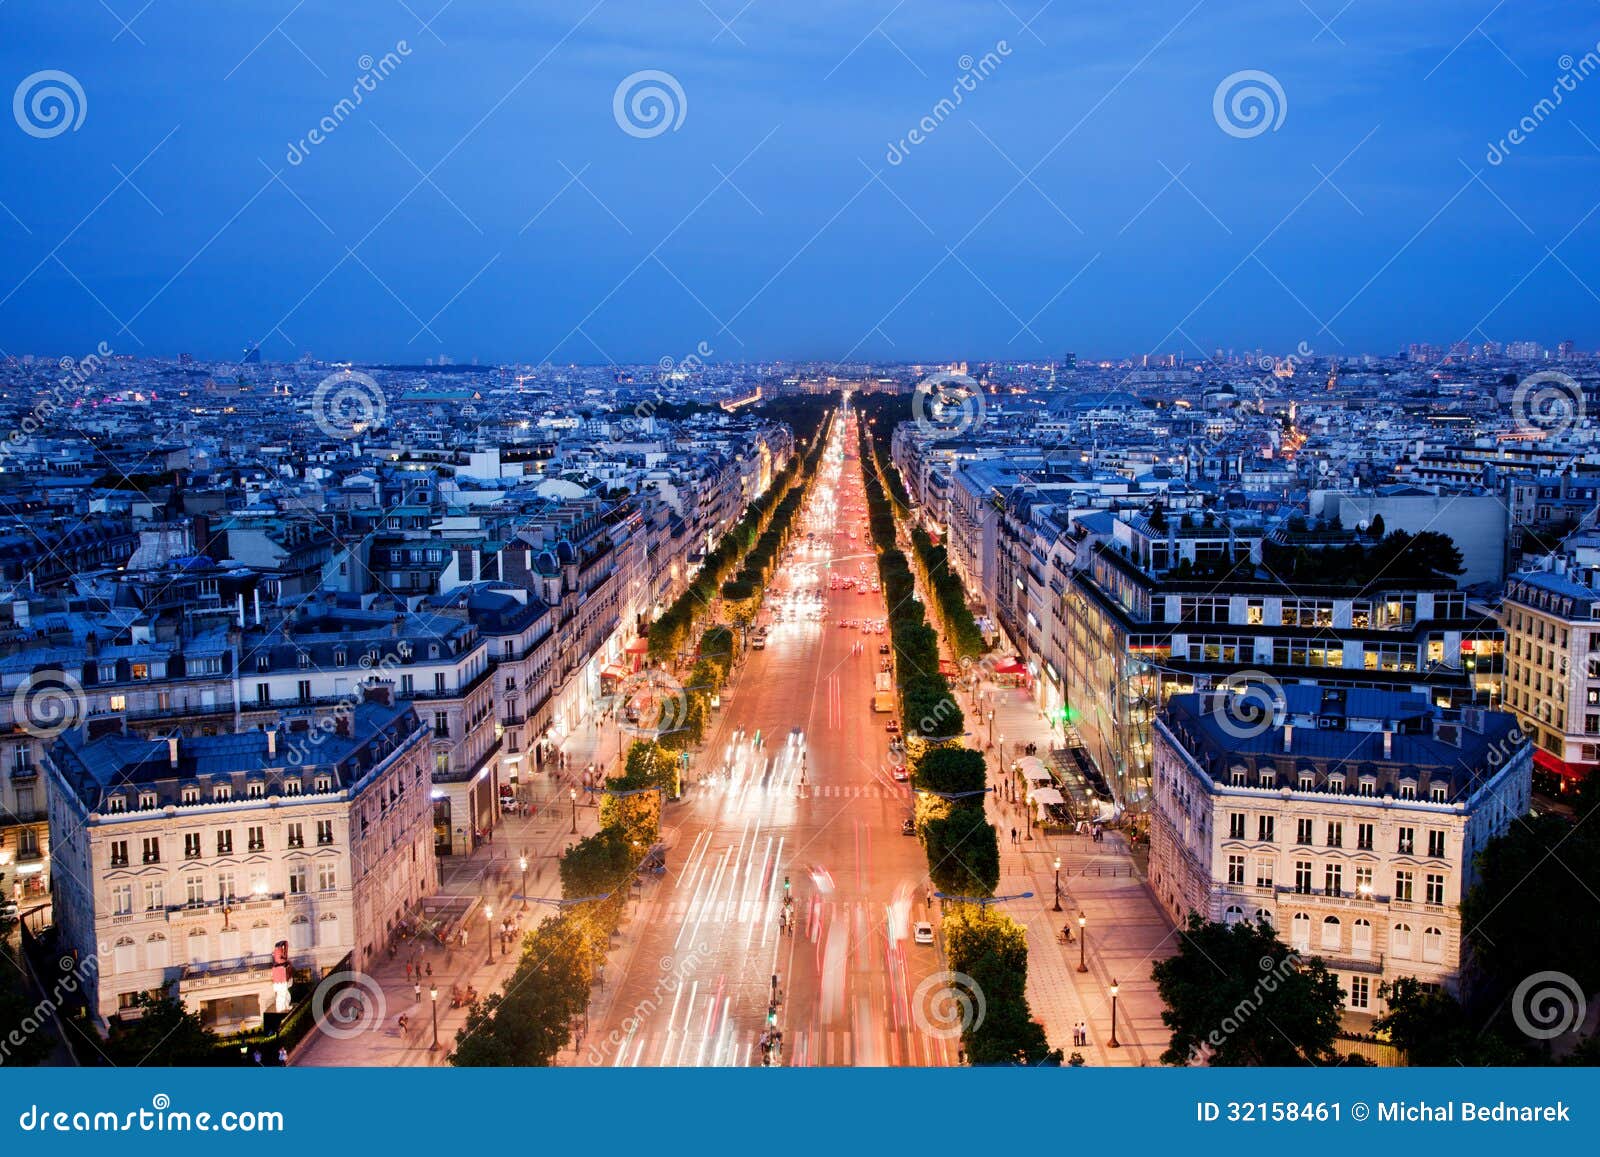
(1127, 932)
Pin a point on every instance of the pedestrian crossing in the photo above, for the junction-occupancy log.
(802, 1048)
(854, 791)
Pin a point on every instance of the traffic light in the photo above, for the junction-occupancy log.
(772, 1015)
(786, 885)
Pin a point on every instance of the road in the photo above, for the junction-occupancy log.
(813, 813)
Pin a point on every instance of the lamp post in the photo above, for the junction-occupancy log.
(1058, 884)
(522, 862)
(1113, 1043)
(433, 994)
(572, 794)
(488, 919)
(1083, 923)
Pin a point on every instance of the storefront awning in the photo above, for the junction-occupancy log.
(1544, 761)
(612, 671)
(1045, 795)
(639, 647)
(1011, 668)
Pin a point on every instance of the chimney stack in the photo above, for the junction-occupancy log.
(172, 750)
(238, 608)
(272, 743)
(1288, 737)
(1388, 739)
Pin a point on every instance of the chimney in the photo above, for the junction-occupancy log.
(380, 691)
(238, 609)
(272, 743)
(1288, 737)
(255, 595)
(172, 750)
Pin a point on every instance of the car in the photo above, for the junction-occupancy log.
(899, 773)
(908, 827)
(892, 727)
(922, 932)
(883, 648)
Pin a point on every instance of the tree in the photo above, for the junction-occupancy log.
(963, 852)
(1236, 995)
(989, 961)
(952, 770)
(1430, 1028)
(164, 1033)
(530, 1020)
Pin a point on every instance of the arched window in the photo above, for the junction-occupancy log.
(1432, 945)
(155, 951)
(1331, 932)
(1300, 934)
(199, 946)
(1361, 937)
(299, 934)
(328, 930)
(1263, 917)
(1400, 942)
(1233, 915)
(126, 954)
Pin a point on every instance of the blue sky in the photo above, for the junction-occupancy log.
(483, 200)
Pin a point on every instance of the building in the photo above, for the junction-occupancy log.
(178, 865)
(1346, 819)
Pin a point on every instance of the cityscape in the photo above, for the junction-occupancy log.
(1149, 617)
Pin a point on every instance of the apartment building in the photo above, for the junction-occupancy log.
(1552, 624)
(1348, 820)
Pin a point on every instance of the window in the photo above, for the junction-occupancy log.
(1331, 933)
(191, 845)
(1364, 837)
(1434, 885)
(1236, 825)
(152, 849)
(1239, 776)
(155, 896)
(263, 694)
(222, 793)
(1400, 942)
(438, 683)
(256, 839)
(408, 686)
(119, 703)
(1233, 915)
(1335, 834)
(297, 835)
(1264, 917)
(1361, 937)
(297, 880)
(1333, 879)
(1236, 870)
(324, 832)
(1436, 843)
(225, 887)
(189, 795)
(1406, 842)
(1402, 886)
(1265, 826)
(1300, 932)
(225, 842)
(116, 803)
(1302, 831)
(323, 783)
(1267, 780)
(1264, 871)
(1408, 789)
(1360, 992)
(1433, 945)
(1438, 793)
(255, 789)
(441, 725)
(327, 877)
(291, 787)
(303, 690)
(119, 853)
(1308, 783)
(1302, 876)
(147, 800)
(194, 890)
(121, 899)
(1364, 881)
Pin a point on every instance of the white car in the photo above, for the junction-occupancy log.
(922, 932)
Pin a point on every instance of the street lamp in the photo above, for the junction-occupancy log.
(1113, 1043)
(522, 862)
(488, 917)
(1058, 884)
(572, 794)
(1083, 922)
(433, 993)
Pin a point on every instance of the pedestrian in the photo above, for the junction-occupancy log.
(408, 972)
(283, 1056)
(430, 970)
(256, 1056)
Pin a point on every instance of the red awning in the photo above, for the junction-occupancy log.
(639, 647)
(1547, 762)
(1011, 668)
(612, 671)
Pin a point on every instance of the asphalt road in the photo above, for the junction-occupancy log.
(812, 813)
